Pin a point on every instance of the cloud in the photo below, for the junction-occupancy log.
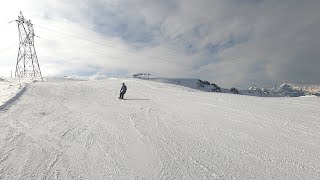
(232, 43)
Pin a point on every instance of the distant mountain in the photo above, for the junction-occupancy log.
(256, 91)
(311, 89)
(198, 84)
(284, 90)
(287, 90)
(192, 83)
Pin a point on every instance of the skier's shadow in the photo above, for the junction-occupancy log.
(137, 99)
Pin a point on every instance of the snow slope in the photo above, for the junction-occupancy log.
(64, 129)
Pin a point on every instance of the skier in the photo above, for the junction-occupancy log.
(123, 91)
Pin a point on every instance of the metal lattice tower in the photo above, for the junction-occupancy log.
(27, 60)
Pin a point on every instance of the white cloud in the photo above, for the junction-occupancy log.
(229, 42)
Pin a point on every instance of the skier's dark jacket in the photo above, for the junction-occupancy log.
(123, 88)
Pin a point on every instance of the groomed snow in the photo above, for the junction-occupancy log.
(64, 129)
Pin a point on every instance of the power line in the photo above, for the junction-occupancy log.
(103, 44)
(77, 37)
(64, 22)
(94, 30)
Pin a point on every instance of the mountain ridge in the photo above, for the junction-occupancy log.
(283, 90)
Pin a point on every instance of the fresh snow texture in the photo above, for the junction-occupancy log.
(63, 129)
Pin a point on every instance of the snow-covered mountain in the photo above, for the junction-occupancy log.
(311, 89)
(192, 83)
(294, 90)
(287, 90)
(256, 91)
(10, 89)
(284, 90)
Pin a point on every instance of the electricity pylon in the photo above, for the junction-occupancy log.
(27, 60)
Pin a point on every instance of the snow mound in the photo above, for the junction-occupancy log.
(2, 80)
(11, 89)
(98, 76)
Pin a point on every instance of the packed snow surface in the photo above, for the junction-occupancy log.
(69, 129)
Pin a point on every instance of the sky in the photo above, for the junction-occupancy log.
(233, 43)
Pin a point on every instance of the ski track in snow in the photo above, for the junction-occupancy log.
(65, 129)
